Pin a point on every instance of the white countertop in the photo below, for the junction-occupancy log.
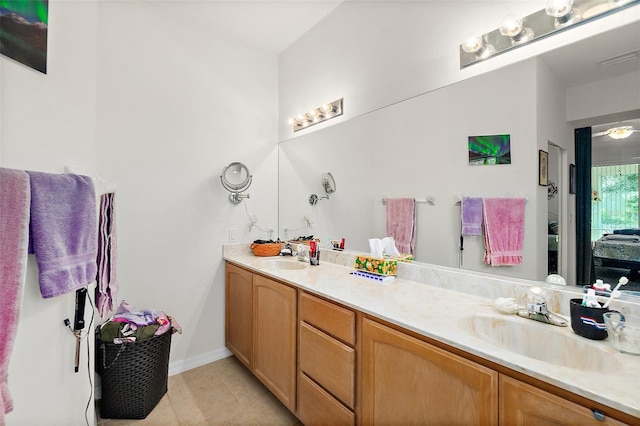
(444, 315)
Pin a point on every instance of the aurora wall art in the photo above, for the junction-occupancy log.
(23, 32)
(487, 150)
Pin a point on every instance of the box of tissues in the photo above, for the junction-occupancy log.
(376, 265)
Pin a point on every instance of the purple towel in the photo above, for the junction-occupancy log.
(471, 212)
(107, 280)
(63, 231)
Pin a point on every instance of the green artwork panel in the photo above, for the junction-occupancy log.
(23, 32)
(489, 150)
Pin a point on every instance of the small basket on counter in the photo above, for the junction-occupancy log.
(266, 248)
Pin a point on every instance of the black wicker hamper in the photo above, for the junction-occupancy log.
(134, 376)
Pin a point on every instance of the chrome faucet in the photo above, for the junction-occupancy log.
(536, 309)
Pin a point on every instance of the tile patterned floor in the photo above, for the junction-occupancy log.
(221, 393)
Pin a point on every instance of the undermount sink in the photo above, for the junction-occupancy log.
(282, 264)
(544, 342)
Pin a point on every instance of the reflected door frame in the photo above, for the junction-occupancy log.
(585, 267)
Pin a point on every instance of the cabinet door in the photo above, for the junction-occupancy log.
(523, 404)
(275, 338)
(406, 381)
(239, 313)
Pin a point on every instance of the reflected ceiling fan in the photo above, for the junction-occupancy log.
(620, 132)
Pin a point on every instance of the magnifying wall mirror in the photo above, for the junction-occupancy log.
(236, 179)
(329, 185)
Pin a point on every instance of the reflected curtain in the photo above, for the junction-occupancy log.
(585, 268)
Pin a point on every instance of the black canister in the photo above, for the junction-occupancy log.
(588, 322)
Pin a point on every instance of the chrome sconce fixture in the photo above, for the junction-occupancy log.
(329, 185)
(317, 115)
(236, 179)
(514, 31)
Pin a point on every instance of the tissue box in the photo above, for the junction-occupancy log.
(386, 266)
(377, 266)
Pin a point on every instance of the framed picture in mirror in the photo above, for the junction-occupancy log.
(543, 168)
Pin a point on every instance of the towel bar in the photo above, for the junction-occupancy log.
(429, 199)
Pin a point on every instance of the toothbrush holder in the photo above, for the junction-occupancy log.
(314, 257)
(588, 322)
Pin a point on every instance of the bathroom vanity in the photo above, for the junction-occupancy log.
(341, 349)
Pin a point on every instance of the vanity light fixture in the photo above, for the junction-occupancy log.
(514, 31)
(317, 115)
(236, 179)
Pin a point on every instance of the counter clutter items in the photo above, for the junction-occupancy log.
(518, 359)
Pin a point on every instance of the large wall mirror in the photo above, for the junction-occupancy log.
(418, 148)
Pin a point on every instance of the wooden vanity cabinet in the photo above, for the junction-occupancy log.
(327, 360)
(239, 313)
(522, 404)
(261, 330)
(305, 349)
(408, 381)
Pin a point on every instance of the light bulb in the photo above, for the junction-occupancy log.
(327, 108)
(558, 8)
(512, 27)
(472, 44)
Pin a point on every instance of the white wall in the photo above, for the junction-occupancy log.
(138, 95)
(48, 121)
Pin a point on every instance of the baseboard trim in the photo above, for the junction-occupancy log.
(183, 365)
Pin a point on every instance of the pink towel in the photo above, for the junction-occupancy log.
(14, 232)
(401, 223)
(63, 231)
(503, 226)
(107, 282)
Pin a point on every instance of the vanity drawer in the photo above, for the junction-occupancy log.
(333, 319)
(329, 362)
(317, 407)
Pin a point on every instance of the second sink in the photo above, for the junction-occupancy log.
(542, 342)
(282, 264)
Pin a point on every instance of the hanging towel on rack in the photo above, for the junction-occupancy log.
(401, 223)
(503, 224)
(14, 232)
(107, 282)
(63, 231)
(471, 213)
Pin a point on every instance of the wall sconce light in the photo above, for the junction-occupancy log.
(558, 15)
(317, 115)
(235, 178)
(329, 185)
